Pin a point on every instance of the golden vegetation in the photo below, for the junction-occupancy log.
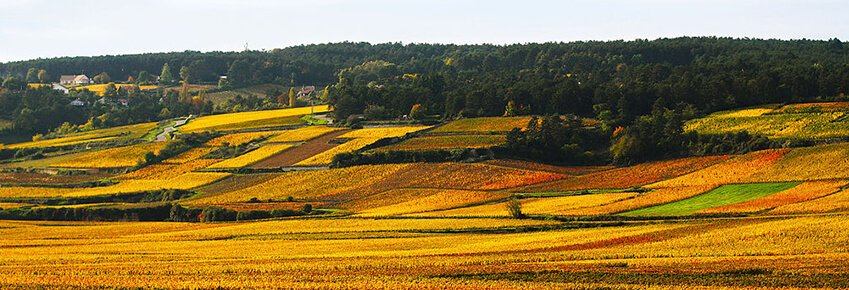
(99, 89)
(124, 132)
(302, 134)
(626, 177)
(252, 157)
(326, 157)
(379, 133)
(402, 253)
(424, 200)
(798, 121)
(499, 124)
(445, 142)
(127, 156)
(241, 138)
(164, 171)
(221, 121)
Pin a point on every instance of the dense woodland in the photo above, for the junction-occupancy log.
(629, 84)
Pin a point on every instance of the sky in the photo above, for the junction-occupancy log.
(32, 29)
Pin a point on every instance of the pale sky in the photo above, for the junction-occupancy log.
(44, 29)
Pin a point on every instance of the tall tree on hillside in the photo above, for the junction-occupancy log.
(43, 77)
(292, 97)
(165, 77)
(186, 74)
(32, 75)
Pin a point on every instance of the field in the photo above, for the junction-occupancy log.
(445, 142)
(110, 158)
(359, 139)
(240, 138)
(302, 134)
(251, 157)
(628, 176)
(123, 132)
(431, 254)
(570, 170)
(308, 149)
(277, 217)
(503, 124)
(100, 88)
(798, 121)
(47, 179)
(718, 198)
(269, 118)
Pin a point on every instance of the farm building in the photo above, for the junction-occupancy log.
(306, 90)
(75, 80)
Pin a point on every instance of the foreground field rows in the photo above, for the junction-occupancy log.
(368, 253)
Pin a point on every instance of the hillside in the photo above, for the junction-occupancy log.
(249, 200)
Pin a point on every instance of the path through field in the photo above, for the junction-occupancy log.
(162, 137)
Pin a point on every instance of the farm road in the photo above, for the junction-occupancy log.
(164, 135)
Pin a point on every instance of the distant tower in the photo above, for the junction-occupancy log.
(246, 47)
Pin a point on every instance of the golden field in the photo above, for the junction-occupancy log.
(426, 225)
(123, 132)
(423, 254)
(116, 157)
(221, 121)
(99, 89)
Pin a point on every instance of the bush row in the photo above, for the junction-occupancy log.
(444, 155)
(156, 212)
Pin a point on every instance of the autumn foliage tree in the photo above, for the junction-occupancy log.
(418, 112)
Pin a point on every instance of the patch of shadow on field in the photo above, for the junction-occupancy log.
(753, 277)
(300, 153)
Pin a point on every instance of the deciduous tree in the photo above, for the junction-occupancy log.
(418, 112)
(32, 75)
(43, 77)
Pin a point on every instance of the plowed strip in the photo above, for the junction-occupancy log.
(301, 152)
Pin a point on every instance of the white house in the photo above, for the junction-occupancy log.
(75, 80)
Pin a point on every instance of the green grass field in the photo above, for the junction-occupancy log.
(723, 195)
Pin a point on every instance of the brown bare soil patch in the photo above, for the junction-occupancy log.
(301, 152)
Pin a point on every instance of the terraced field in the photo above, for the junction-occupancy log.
(124, 132)
(797, 121)
(445, 142)
(771, 219)
(247, 120)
